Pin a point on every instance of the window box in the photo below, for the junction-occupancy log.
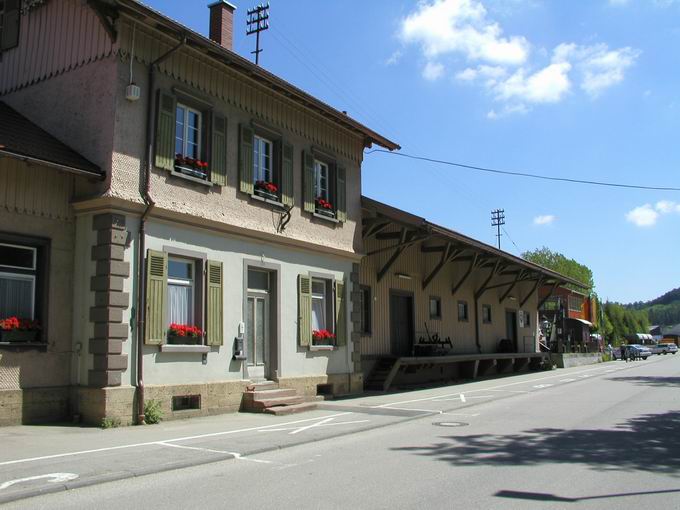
(184, 340)
(18, 335)
(323, 338)
(191, 172)
(267, 190)
(328, 213)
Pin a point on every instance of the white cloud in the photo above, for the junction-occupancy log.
(394, 58)
(461, 26)
(433, 71)
(667, 207)
(603, 68)
(544, 219)
(643, 216)
(447, 30)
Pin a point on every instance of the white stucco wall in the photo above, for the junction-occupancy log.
(174, 368)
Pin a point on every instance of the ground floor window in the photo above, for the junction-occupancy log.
(22, 290)
(462, 311)
(366, 309)
(486, 314)
(184, 307)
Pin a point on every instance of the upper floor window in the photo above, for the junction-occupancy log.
(188, 132)
(265, 179)
(321, 180)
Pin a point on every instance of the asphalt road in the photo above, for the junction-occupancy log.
(602, 436)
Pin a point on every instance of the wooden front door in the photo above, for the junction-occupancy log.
(401, 324)
(511, 328)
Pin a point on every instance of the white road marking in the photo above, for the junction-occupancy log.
(584, 376)
(567, 380)
(236, 455)
(462, 398)
(461, 414)
(510, 391)
(51, 478)
(156, 443)
(322, 423)
(424, 399)
(541, 386)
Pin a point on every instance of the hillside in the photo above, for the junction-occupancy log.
(664, 310)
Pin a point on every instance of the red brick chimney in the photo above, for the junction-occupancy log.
(222, 23)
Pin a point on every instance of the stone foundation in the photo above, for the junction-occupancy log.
(341, 384)
(95, 404)
(567, 360)
(34, 405)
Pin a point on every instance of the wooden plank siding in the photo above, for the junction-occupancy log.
(204, 74)
(418, 265)
(53, 39)
(19, 193)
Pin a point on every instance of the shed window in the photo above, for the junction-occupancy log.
(435, 307)
(366, 308)
(486, 314)
(462, 311)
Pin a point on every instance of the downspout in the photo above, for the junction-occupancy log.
(145, 186)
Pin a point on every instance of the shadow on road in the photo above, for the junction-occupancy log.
(542, 496)
(645, 443)
(659, 382)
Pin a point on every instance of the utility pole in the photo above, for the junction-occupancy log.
(258, 21)
(498, 220)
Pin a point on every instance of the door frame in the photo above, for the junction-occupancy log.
(273, 370)
(408, 294)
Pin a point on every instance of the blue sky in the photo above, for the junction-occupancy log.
(587, 89)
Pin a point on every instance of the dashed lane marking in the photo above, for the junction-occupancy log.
(541, 386)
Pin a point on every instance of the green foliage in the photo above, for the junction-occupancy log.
(624, 321)
(152, 412)
(110, 423)
(561, 264)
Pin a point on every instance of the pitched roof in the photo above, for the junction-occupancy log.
(404, 218)
(158, 20)
(22, 139)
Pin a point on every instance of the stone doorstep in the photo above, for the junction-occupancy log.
(291, 409)
(276, 401)
(261, 386)
(267, 394)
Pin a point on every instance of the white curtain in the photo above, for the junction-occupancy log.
(318, 314)
(181, 309)
(16, 296)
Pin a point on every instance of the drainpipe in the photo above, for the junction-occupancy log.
(145, 186)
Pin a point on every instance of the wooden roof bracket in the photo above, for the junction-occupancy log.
(539, 280)
(480, 292)
(473, 265)
(397, 252)
(512, 286)
(107, 15)
(448, 255)
(549, 295)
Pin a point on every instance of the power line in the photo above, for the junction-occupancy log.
(513, 242)
(526, 174)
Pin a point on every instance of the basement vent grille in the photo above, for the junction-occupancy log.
(186, 402)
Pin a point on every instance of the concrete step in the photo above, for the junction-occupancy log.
(268, 394)
(291, 409)
(262, 386)
(273, 402)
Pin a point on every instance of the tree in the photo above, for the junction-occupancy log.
(563, 265)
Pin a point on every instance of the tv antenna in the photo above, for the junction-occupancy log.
(258, 21)
(498, 220)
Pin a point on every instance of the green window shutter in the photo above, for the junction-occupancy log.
(308, 182)
(11, 24)
(341, 193)
(245, 160)
(287, 174)
(156, 297)
(340, 317)
(165, 131)
(305, 310)
(215, 324)
(218, 159)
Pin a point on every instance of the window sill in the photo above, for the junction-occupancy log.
(267, 201)
(23, 346)
(325, 218)
(184, 348)
(322, 348)
(191, 178)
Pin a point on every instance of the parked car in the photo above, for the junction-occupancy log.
(664, 349)
(637, 350)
